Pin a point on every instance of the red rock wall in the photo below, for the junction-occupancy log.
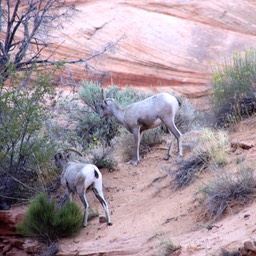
(167, 44)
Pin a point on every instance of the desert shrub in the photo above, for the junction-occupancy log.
(128, 96)
(104, 162)
(46, 221)
(90, 125)
(62, 126)
(102, 158)
(228, 190)
(233, 84)
(25, 148)
(186, 116)
(210, 150)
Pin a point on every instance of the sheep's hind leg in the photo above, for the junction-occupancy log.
(170, 149)
(100, 197)
(86, 208)
(174, 130)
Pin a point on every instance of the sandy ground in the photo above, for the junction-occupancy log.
(149, 214)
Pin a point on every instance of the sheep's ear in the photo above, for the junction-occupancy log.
(57, 156)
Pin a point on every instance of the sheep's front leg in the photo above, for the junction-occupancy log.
(137, 137)
(68, 192)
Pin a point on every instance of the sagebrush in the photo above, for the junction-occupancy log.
(228, 190)
(234, 88)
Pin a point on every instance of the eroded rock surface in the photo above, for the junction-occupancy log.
(166, 44)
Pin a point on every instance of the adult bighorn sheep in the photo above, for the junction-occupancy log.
(143, 115)
(77, 177)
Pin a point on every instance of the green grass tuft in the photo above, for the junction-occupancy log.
(48, 222)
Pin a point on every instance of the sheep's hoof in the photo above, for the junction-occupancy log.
(134, 162)
(110, 224)
(166, 157)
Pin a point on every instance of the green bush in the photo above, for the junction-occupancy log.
(90, 126)
(234, 88)
(48, 222)
(228, 190)
(25, 148)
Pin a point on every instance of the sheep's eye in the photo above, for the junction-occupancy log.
(102, 107)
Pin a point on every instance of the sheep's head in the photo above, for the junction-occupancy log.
(60, 159)
(105, 108)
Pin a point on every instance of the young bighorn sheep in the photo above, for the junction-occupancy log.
(143, 115)
(77, 177)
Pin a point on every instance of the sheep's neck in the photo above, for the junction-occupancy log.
(118, 113)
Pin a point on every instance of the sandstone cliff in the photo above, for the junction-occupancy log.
(166, 44)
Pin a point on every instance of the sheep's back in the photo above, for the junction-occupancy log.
(71, 173)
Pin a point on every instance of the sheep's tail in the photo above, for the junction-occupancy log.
(96, 173)
(179, 101)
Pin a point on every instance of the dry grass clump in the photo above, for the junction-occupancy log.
(186, 115)
(190, 169)
(215, 143)
(210, 150)
(169, 247)
(228, 190)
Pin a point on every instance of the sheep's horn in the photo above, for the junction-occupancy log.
(73, 150)
(102, 94)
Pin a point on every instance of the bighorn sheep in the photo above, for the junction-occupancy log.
(143, 115)
(77, 177)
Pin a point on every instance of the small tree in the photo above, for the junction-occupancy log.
(25, 149)
(28, 26)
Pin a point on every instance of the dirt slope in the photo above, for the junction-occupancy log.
(147, 212)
